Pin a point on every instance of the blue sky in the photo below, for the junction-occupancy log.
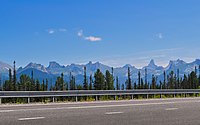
(114, 32)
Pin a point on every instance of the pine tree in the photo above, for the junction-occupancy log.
(161, 85)
(51, 86)
(1, 83)
(46, 85)
(91, 81)
(128, 82)
(109, 81)
(146, 77)
(146, 86)
(66, 86)
(171, 80)
(58, 83)
(10, 82)
(72, 83)
(139, 80)
(178, 79)
(113, 79)
(99, 82)
(38, 85)
(43, 85)
(123, 87)
(192, 79)
(79, 87)
(32, 81)
(184, 82)
(14, 77)
(164, 82)
(117, 83)
(135, 86)
(199, 77)
(153, 86)
(175, 82)
(85, 83)
(142, 84)
(24, 83)
(62, 82)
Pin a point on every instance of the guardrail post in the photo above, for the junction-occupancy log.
(147, 96)
(28, 99)
(0, 100)
(131, 96)
(115, 97)
(53, 99)
(96, 98)
(161, 96)
(76, 99)
(174, 95)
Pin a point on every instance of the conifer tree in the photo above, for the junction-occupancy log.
(46, 85)
(10, 82)
(142, 84)
(32, 81)
(146, 77)
(117, 83)
(171, 80)
(139, 80)
(43, 85)
(199, 77)
(99, 80)
(38, 85)
(85, 83)
(113, 79)
(0, 83)
(178, 79)
(62, 82)
(128, 82)
(123, 87)
(161, 85)
(108, 81)
(14, 77)
(164, 82)
(135, 86)
(72, 83)
(91, 81)
(153, 83)
(184, 82)
(51, 86)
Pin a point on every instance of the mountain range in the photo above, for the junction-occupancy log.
(55, 69)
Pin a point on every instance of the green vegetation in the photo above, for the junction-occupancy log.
(99, 82)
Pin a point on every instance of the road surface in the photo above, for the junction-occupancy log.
(183, 111)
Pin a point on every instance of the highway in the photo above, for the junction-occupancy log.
(175, 111)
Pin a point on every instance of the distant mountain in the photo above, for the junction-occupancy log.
(4, 68)
(55, 69)
(152, 68)
(31, 65)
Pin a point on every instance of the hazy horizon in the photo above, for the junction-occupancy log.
(114, 33)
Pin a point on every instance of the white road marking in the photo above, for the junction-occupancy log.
(100, 106)
(170, 109)
(33, 118)
(112, 113)
(95, 102)
(4, 111)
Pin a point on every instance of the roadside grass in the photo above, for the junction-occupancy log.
(93, 98)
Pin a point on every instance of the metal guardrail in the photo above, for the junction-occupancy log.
(78, 93)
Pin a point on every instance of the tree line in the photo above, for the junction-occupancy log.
(101, 81)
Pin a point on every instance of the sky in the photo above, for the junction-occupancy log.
(113, 32)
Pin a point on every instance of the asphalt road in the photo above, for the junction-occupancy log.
(185, 111)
